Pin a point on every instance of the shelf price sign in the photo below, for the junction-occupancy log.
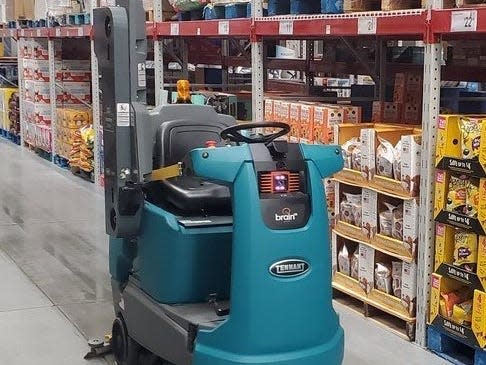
(464, 21)
(367, 25)
(223, 28)
(174, 29)
(286, 27)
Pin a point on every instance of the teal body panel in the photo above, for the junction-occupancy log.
(284, 321)
(122, 253)
(182, 265)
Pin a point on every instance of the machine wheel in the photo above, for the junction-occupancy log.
(125, 349)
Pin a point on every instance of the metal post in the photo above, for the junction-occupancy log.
(224, 70)
(258, 70)
(95, 91)
(185, 58)
(51, 46)
(426, 243)
(158, 54)
(20, 44)
(309, 76)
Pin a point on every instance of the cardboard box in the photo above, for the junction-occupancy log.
(411, 163)
(411, 211)
(269, 113)
(449, 146)
(370, 214)
(411, 113)
(456, 219)
(307, 123)
(352, 114)
(284, 111)
(343, 225)
(386, 112)
(409, 287)
(474, 335)
(75, 93)
(37, 70)
(294, 122)
(325, 118)
(38, 113)
(366, 271)
(369, 144)
(38, 92)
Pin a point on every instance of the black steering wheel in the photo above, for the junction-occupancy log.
(233, 133)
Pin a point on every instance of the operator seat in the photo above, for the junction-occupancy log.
(174, 139)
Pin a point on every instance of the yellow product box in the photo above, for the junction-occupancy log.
(447, 250)
(451, 204)
(458, 310)
(459, 144)
(5, 96)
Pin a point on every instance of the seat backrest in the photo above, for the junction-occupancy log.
(185, 128)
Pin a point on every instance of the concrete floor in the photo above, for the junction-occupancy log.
(54, 268)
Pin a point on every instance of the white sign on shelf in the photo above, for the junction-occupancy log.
(464, 21)
(286, 27)
(174, 29)
(367, 25)
(80, 32)
(38, 32)
(328, 29)
(223, 28)
(58, 32)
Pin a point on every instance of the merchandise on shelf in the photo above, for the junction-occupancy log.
(459, 145)
(9, 109)
(310, 122)
(385, 157)
(72, 92)
(69, 121)
(375, 276)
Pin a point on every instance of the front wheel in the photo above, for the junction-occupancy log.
(125, 349)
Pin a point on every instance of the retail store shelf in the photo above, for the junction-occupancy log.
(6, 32)
(205, 28)
(384, 302)
(383, 186)
(391, 247)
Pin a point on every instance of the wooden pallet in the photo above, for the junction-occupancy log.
(378, 307)
(88, 176)
(456, 352)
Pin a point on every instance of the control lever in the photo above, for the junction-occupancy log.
(220, 311)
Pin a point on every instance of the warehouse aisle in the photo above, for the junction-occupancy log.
(54, 252)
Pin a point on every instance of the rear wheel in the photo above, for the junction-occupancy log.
(125, 349)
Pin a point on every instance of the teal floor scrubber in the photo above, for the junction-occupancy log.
(219, 250)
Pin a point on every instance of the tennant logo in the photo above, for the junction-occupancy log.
(289, 268)
(286, 216)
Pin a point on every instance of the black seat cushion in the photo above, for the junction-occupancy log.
(188, 195)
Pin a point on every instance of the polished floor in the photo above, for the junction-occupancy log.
(55, 289)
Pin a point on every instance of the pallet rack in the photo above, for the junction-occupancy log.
(429, 26)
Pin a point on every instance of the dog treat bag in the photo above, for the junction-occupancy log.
(456, 195)
(385, 157)
(344, 262)
(472, 197)
(386, 220)
(348, 148)
(356, 158)
(383, 279)
(470, 137)
(465, 250)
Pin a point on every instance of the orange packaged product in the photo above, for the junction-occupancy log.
(325, 118)
(307, 123)
(294, 121)
(269, 112)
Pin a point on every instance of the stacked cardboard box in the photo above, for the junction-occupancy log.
(310, 122)
(69, 121)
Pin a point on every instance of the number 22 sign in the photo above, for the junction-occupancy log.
(464, 21)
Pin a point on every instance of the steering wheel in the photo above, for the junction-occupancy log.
(233, 133)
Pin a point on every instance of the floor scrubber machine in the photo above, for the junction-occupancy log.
(219, 249)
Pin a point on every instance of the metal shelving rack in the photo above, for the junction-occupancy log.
(431, 26)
